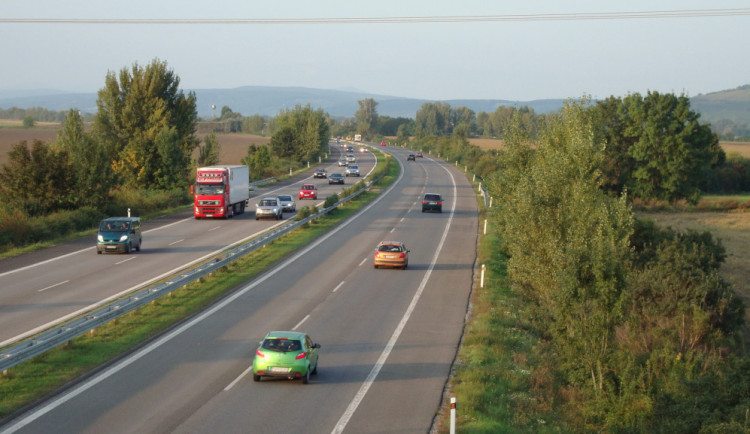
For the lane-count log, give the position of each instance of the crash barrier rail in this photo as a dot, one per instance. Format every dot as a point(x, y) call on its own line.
point(20, 352)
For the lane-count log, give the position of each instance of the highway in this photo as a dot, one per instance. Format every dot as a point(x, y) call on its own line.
point(388, 337)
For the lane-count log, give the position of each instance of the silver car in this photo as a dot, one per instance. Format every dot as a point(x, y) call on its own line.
point(269, 207)
point(352, 170)
point(287, 203)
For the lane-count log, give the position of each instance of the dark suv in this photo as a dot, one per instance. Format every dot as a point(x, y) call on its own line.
point(432, 202)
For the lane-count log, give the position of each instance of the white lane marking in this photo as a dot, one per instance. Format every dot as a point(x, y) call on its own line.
point(363, 262)
point(241, 376)
point(81, 251)
point(393, 230)
point(175, 242)
point(125, 260)
point(52, 286)
point(300, 323)
point(214, 228)
point(349, 412)
point(127, 361)
point(338, 286)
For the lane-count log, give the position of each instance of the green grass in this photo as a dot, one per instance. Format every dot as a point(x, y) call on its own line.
point(32, 380)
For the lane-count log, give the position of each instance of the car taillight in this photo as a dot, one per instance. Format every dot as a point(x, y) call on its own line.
point(301, 355)
point(258, 352)
point(440, 203)
point(424, 202)
point(403, 255)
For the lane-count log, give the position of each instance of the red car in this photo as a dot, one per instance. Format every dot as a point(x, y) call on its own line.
point(383, 144)
point(308, 191)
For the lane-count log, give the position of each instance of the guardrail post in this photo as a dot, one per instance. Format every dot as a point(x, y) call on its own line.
point(481, 279)
point(485, 227)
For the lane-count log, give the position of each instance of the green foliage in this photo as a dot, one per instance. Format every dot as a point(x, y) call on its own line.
point(366, 117)
point(254, 125)
point(300, 134)
point(37, 180)
point(38, 114)
point(17, 229)
point(496, 123)
point(303, 213)
point(208, 154)
point(147, 124)
point(656, 148)
point(261, 164)
point(331, 200)
point(28, 122)
point(89, 162)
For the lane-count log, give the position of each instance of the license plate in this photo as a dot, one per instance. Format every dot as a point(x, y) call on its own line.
point(279, 369)
point(389, 256)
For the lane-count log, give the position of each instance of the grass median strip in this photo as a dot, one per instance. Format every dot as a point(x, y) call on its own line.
point(34, 379)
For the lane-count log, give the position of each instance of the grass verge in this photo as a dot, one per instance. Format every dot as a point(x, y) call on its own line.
point(30, 381)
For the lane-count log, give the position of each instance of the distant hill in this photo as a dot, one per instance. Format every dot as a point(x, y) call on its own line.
point(731, 104)
point(269, 101)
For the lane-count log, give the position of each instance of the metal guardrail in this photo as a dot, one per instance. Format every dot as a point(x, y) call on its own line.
point(20, 352)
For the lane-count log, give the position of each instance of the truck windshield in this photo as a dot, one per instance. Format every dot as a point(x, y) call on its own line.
point(209, 189)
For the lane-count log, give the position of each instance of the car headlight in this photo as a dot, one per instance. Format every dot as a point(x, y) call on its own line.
point(124, 238)
point(100, 238)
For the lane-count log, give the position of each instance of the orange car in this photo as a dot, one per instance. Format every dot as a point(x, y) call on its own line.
point(391, 254)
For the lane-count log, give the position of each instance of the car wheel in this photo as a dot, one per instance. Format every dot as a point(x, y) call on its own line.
point(256, 377)
point(404, 267)
point(257, 218)
point(315, 371)
point(127, 248)
point(98, 252)
point(138, 247)
point(306, 378)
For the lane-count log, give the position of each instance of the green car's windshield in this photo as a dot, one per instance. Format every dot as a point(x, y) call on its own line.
point(282, 345)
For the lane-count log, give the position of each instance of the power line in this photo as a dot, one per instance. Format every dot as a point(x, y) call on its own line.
point(688, 13)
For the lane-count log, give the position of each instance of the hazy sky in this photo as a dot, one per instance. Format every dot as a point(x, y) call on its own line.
point(514, 59)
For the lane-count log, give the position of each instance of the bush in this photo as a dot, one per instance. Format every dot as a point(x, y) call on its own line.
point(331, 200)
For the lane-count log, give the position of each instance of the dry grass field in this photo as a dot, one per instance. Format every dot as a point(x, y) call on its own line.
point(733, 229)
point(233, 146)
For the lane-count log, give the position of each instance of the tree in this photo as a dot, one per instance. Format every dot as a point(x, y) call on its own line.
point(38, 179)
point(28, 122)
point(208, 154)
point(134, 108)
point(302, 133)
point(568, 241)
point(90, 163)
point(656, 146)
point(366, 116)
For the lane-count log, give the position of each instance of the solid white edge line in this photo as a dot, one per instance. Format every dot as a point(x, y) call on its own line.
point(349, 412)
point(106, 373)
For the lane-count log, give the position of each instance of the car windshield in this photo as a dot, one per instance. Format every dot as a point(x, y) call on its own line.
point(307, 187)
point(389, 248)
point(114, 226)
point(432, 197)
point(285, 198)
point(267, 202)
point(282, 345)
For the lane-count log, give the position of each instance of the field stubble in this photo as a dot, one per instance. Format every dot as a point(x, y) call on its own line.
point(233, 145)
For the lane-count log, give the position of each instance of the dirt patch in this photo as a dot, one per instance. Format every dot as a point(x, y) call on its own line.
point(487, 143)
point(733, 229)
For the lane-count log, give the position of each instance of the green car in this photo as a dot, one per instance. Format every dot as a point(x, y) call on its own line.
point(286, 354)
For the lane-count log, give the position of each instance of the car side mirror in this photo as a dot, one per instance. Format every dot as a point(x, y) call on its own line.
point(316, 345)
